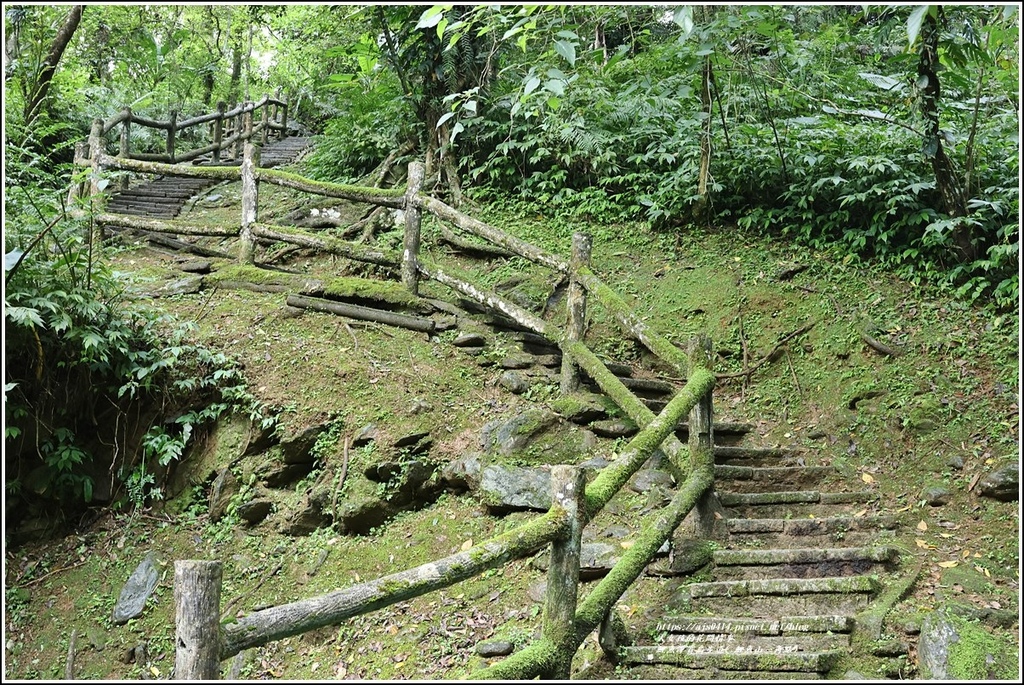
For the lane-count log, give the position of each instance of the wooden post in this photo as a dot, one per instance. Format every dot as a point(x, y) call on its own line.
point(410, 268)
point(567, 492)
point(77, 189)
point(576, 309)
point(218, 131)
point(247, 119)
point(234, 134)
point(125, 150)
point(250, 204)
point(96, 148)
point(701, 522)
point(197, 620)
point(265, 119)
point(172, 132)
point(284, 121)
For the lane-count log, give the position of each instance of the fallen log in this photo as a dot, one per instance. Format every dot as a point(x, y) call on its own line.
point(354, 311)
point(472, 249)
point(354, 251)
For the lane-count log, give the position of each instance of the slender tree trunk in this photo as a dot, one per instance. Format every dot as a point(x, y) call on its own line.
point(951, 191)
point(39, 91)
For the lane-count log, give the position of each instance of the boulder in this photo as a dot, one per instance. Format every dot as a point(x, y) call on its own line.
point(1003, 484)
point(513, 382)
point(507, 436)
point(509, 488)
point(137, 590)
point(936, 495)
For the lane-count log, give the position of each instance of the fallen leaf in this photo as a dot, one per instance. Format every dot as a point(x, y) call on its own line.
point(922, 526)
point(867, 478)
point(924, 545)
point(906, 508)
point(967, 553)
point(949, 564)
point(467, 544)
point(860, 513)
point(718, 517)
point(155, 671)
point(945, 535)
point(626, 544)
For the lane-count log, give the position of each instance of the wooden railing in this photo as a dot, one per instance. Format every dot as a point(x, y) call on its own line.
point(203, 642)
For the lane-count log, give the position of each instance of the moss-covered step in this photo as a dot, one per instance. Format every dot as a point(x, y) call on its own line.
point(808, 562)
point(791, 503)
point(764, 478)
point(766, 598)
point(757, 456)
point(801, 532)
point(668, 672)
point(807, 662)
point(785, 625)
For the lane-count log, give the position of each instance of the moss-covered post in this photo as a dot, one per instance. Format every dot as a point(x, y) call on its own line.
point(124, 151)
point(218, 131)
point(250, 202)
point(247, 112)
point(96, 186)
point(701, 521)
point(568, 486)
point(197, 620)
point(413, 215)
point(576, 310)
point(265, 122)
point(172, 132)
point(284, 120)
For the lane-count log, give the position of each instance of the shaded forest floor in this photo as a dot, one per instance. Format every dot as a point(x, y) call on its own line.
point(942, 412)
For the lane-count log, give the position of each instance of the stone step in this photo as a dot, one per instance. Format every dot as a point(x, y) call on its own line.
point(776, 532)
point(753, 662)
point(791, 503)
point(801, 642)
point(764, 478)
point(786, 625)
point(758, 456)
point(777, 596)
point(808, 562)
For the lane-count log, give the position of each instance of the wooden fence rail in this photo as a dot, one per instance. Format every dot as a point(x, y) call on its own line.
point(565, 624)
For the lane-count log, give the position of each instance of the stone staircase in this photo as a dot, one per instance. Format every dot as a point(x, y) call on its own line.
point(165, 196)
point(800, 559)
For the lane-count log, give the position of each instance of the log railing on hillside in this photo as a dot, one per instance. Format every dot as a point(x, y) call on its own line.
point(203, 642)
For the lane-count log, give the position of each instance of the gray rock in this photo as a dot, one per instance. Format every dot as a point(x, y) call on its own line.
point(297, 448)
point(181, 286)
point(414, 440)
point(937, 634)
point(614, 428)
point(505, 488)
point(463, 473)
point(198, 266)
point(419, 406)
point(137, 590)
point(596, 559)
point(365, 435)
point(936, 495)
point(648, 479)
point(304, 521)
point(256, 510)
point(956, 462)
point(469, 340)
point(517, 361)
point(580, 408)
point(513, 382)
point(494, 648)
point(506, 437)
point(225, 486)
point(890, 648)
point(213, 199)
point(537, 591)
point(551, 361)
point(1003, 484)
point(615, 532)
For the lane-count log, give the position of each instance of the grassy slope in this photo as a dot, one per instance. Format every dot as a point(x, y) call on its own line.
point(959, 369)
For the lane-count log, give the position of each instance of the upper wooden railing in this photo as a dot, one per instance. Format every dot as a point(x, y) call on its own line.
point(203, 641)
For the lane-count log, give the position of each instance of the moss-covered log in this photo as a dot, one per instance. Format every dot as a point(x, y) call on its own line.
point(220, 173)
point(655, 531)
point(494, 235)
point(282, 621)
point(540, 658)
point(469, 248)
point(355, 251)
point(354, 311)
point(631, 323)
point(394, 198)
point(171, 226)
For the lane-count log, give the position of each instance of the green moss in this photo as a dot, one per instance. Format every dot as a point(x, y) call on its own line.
point(981, 655)
point(252, 274)
point(365, 289)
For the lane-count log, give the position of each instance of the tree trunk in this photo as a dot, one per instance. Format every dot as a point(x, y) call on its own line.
point(49, 67)
point(948, 183)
